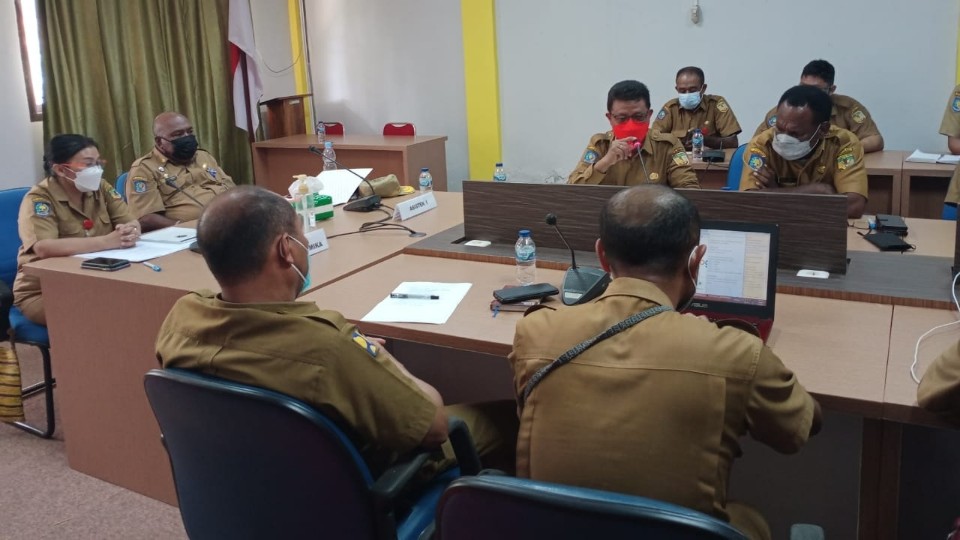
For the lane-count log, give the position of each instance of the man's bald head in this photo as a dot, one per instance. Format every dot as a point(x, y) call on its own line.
point(649, 227)
point(238, 228)
point(168, 121)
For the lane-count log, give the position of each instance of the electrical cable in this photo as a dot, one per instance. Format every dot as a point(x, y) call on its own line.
point(916, 350)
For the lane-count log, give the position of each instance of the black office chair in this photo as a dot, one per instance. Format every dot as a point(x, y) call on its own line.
point(253, 463)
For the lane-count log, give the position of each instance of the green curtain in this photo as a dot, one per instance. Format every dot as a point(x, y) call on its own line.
point(110, 66)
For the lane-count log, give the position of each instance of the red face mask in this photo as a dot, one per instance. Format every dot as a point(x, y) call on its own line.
point(632, 128)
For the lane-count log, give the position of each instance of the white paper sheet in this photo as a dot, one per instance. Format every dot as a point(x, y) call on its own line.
point(143, 251)
point(924, 157)
point(339, 184)
point(171, 235)
point(411, 310)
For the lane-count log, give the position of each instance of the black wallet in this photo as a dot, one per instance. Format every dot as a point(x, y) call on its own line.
point(889, 242)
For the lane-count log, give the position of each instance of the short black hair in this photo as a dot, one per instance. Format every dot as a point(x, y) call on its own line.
point(63, 147)
point(820, 69)
point(238, 227)
point(628, 91)
point(692, 70)
point(809, 96)
point(649, 226)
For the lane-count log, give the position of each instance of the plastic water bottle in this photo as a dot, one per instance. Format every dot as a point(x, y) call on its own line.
point(498, 174)
point(426, 180)
point(329, 157)
point(526, 258)
point(321, 132)
point(696, 142)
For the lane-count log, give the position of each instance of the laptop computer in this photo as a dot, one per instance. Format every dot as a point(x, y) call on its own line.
point(737, 283)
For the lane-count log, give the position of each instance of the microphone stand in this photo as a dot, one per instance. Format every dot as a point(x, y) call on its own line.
point(362, 204)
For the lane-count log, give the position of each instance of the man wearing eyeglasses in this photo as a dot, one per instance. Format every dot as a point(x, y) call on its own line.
point(173, 182)
point(631, 153)
point(804, 153)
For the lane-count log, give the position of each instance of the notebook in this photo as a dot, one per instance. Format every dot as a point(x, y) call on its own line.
point(737, 283)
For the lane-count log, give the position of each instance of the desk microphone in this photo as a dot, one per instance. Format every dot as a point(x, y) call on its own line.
point(361, 204)
point(580, 285)
point(172, 182)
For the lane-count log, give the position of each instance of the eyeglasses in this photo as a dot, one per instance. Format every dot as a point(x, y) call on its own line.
point(84, 165)
point(639, 117)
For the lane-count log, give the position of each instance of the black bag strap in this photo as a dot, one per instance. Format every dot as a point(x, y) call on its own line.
point(578, 349)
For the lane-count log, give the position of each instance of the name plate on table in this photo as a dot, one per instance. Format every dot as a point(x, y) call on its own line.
point(317, 241)
point(415, 206)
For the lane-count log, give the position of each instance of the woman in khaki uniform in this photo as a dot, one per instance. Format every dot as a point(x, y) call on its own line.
point(72, 210)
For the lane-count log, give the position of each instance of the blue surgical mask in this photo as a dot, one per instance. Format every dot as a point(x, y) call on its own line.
point(690, 101)
point(305, 277)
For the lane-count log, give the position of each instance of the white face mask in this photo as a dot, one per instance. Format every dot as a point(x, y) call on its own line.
point(88, 180)
point(685, 304)
point(689, 101)
point(791, 148)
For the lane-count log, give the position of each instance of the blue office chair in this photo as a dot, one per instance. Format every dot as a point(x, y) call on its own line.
point(253, 463)
point(735, 170)
point(949, 212)
point(121, 186)
point(23, 331)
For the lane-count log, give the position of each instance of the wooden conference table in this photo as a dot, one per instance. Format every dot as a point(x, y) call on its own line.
point(276, 161)
point(103, 327)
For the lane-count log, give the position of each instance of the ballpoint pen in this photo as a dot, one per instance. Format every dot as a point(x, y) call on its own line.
point(151, 266)
point(405, 296)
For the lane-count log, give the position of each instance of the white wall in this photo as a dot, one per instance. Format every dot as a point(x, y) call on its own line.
point(22, 150)
point(375, 61)
point(556, 64)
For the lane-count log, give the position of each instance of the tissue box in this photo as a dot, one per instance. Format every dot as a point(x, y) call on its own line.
point(322, 206)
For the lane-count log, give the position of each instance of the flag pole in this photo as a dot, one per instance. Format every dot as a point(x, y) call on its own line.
point(251, 136)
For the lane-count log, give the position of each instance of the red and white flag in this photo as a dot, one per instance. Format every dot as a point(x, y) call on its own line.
point(243, 49)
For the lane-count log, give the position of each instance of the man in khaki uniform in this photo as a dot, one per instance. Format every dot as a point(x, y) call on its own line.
point(175, 160)
point(939, 390)
point(657, 409)
point(847, 113)
point(694, 108)
point(612, 158)
point(804, 153)
point(950, 126)
point(255, 332)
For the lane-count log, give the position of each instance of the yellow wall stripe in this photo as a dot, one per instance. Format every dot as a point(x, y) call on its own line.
point(482, 86)
point(300, 64)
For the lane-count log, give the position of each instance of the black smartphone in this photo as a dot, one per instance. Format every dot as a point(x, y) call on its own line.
point(105, 264)
point(511, 295)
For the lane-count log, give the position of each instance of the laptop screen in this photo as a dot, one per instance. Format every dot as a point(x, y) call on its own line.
point(738, 273)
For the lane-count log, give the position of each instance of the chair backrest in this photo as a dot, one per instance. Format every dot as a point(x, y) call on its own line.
point(333, 128)
point(252, 463)
point(506, 508)
point(949, 212)
point(121, 186)
point(10, 200)
point(736, 169)
point(399, 128)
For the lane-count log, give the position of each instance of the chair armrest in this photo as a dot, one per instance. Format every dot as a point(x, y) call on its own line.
point(396, 478)
point(463, 447)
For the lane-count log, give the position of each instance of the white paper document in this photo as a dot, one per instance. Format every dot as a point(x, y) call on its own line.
point(171, 235)
point(924, 157)
point(143, 251)
point(419, 302)
point(339, 184)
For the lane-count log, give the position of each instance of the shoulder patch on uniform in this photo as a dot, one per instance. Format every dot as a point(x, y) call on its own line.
point(212, 172)
point(114, 195)
point(956, 104)
point(364, 343)
point(757, 159)
point(772, 121)
point(680, 158)
point(662, 114)
point(41, 208)
point(722, 106)
point(590, 156)
point(139, 185)
point(845, 159)
point(859, 116)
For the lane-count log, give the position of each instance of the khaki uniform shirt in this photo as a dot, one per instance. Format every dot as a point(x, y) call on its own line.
point(46, 213)
point(148, 193)
point(939, 390)
point(713, 116)
point(663, 159)
point(656, 410)
point(950, 126)
point(837, 159)
point(307, 353)
point(847, 114)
